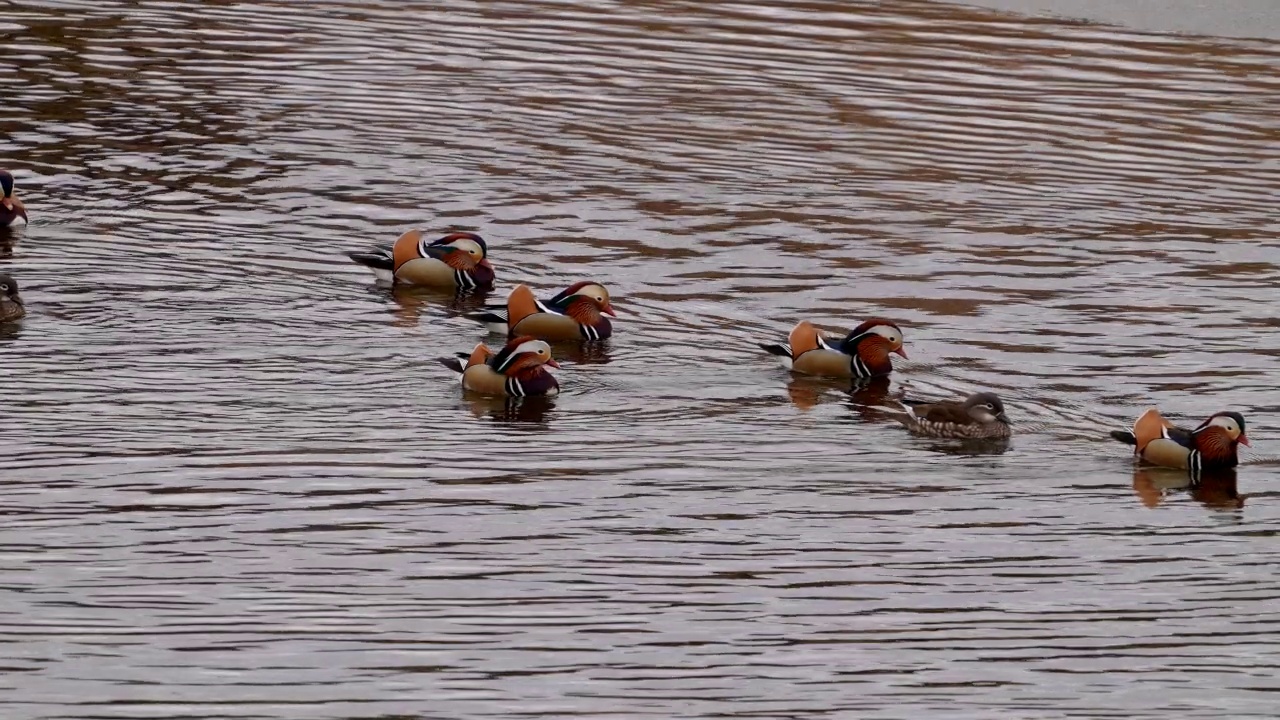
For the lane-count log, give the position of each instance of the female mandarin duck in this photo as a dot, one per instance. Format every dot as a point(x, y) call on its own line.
point(979, 416)
point(1211, 446)
point(458, 260)
point(11, 306)
point(11, 207)
point(863, 353)
point(577, 313)
point(519, 369)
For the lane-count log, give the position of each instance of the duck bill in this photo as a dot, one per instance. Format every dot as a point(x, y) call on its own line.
point(1003, 418)
point(1243, 440)
point(608, 310)
point(484, 262)
point(901, 351)
point(553, 363)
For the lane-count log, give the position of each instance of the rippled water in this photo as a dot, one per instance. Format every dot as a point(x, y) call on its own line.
point(237, 486)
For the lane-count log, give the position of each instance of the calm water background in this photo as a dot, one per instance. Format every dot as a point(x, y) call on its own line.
point(237, 486)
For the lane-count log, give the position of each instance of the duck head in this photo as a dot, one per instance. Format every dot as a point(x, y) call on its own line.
point(521, 355)
point(985, 407)
point(6, 195)
point(9, 289)
point(476, 250)
point(1229, 426)
point(590, 299)
point(872, 341)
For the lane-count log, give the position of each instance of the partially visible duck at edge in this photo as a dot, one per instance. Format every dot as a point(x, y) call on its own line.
point(577, 313)
point(519, 369)
point(863, 353)
point(1210, 446)
point(11, 305)
point(458, 260)
point(11, 208)
point(979, 416)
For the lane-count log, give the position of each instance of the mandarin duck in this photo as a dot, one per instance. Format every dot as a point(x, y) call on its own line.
point(979, 416)
point(11, 207)
point(1211, 446)
point(863, 353)
point(577, 313)
point(458, 260)
point(517, 370)
point(11, 305)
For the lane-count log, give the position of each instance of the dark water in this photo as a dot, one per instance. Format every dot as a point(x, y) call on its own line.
point(237, 486)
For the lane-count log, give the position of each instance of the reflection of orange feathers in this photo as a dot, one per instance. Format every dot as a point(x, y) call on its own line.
point(803, 338)
point(406, 247)
point(520, 304)
point(480, 355)
point(1149, 426)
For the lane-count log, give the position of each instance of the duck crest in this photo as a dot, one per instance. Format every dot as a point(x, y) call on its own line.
point(863, 332)
point(564, 295)
point(508, 358)
point(460, 235)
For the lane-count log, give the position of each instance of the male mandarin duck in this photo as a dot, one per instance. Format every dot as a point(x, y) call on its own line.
point(979, 416)
point(11, 207)
point(1211, 446)
point(519, 369)
point(458, 260)
point(863, 353)
point(577, 313)
point(11, 306)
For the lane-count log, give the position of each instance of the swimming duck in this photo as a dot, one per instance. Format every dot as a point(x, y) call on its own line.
point(1210, 446)
point(981, 415)
point(863, 353)
point(11, 305)
point(577, 313)
point(517, 370)
point(458, 260)
point(11, 207)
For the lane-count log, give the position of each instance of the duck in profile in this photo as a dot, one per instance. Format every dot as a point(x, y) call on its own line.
point(577, 313)
point(863, 353)
point(11, 305)
point(458, 261)
point(519, 369)
point(1211, 446)
point(979, 416)
point(11, 207)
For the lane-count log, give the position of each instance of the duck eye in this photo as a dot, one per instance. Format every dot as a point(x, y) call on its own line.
point(989, 406)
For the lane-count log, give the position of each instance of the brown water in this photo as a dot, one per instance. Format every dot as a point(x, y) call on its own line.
point(237, 486)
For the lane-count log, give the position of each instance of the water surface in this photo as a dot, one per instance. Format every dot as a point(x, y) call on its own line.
point(238, 486)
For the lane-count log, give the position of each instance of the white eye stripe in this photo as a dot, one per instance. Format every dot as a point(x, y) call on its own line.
point(533, 346)
point(885, 331)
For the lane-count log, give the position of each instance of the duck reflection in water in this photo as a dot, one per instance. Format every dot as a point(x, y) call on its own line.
point(411, 301)
point(511, 410)
point(585, 352)
point(1215, 489)
point(863, 395)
